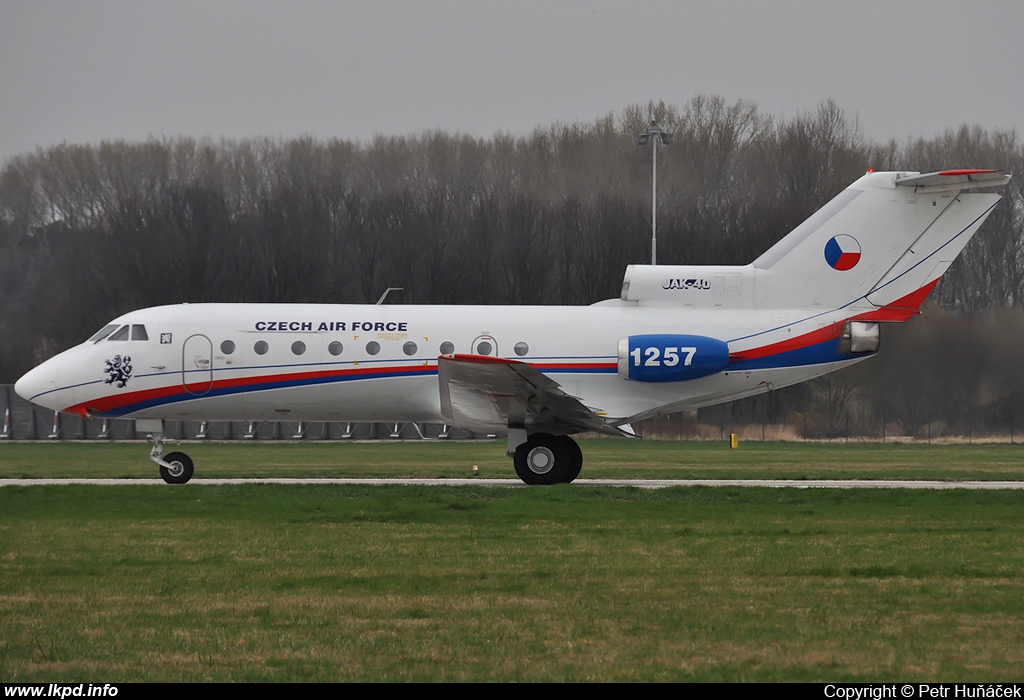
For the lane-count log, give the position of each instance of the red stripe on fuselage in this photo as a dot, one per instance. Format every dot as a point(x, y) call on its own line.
point(899, 310)
point(820, 335)
point(541, 366)
point(106, 404)
point(903, 309)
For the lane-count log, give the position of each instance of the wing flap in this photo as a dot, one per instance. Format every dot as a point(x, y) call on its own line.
point(493, 394)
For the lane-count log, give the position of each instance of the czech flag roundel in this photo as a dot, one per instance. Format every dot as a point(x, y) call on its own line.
point(842, 252)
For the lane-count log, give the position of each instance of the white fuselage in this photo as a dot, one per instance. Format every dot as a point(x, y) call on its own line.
point(204, 361)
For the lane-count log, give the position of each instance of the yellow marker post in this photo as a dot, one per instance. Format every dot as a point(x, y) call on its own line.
point(734, 440)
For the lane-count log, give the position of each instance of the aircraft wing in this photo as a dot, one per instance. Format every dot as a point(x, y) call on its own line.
point(479, 392)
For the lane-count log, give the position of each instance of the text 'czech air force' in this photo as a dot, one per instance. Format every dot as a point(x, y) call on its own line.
point(310, 326)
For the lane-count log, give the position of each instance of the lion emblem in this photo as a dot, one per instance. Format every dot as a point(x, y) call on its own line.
point(119, 370)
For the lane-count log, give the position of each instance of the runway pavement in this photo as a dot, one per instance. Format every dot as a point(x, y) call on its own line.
point(515, 483)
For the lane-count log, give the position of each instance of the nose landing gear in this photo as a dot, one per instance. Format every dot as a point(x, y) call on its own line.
point(176, 467)
point(178, 470)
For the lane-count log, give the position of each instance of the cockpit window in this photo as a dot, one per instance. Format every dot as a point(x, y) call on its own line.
point(103, 333)
point(139, 332)
point(121, 334)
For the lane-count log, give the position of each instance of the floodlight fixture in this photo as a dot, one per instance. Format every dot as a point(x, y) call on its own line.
point(656, 133)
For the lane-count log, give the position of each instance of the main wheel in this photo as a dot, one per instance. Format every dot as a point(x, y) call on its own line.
point(180, 470)
point(572, 455)
point(541, 460)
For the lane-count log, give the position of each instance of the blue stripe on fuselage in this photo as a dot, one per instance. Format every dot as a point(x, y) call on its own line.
point(816, 354)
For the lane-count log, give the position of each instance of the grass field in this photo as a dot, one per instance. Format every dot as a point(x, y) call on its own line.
point(338, 583)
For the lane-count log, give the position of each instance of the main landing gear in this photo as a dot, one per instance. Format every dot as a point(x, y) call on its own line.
point(176, 467)
point(548, 459)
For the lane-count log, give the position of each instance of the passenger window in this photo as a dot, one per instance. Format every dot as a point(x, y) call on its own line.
point(521, 348)
point(484, 348)
point(261, 347)
point(298, 347)
point(373, 347)
point(335, 348)
point(447, 347)
point(227, 347)
point(139, 333)
point(409, 348)
point(121, 334)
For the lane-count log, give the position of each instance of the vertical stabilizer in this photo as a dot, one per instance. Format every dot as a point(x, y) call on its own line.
point(881, 243)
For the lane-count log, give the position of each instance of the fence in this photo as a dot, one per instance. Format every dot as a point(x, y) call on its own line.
point(25, 421)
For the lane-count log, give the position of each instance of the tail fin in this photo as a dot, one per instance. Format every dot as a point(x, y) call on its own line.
point(881, 244)
point(876, 249)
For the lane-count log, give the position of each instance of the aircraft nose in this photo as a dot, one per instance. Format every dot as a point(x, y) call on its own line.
point(35, 384)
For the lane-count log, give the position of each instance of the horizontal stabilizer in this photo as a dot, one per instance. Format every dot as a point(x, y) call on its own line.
point(950, 180)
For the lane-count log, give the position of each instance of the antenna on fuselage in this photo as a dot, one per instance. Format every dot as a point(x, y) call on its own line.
point(386, 292)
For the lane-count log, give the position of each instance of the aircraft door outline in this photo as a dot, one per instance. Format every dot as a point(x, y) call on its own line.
point(197, 365)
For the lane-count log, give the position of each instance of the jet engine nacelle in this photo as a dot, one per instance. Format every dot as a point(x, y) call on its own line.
point(670, 358)
point(859, 337)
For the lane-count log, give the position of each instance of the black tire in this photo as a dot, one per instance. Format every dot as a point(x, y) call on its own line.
point(181, 468)
point(541, 460)
point(573, 457)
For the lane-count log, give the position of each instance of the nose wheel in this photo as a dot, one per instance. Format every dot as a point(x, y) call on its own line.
point(548, 459)
point(176, 467)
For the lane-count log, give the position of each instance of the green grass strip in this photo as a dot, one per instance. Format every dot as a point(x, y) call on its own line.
point(350, 583)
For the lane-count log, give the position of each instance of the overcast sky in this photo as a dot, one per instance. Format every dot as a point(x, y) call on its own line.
point(85, 70)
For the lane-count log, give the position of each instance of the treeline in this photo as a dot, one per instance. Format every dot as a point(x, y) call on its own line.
point(88, 232)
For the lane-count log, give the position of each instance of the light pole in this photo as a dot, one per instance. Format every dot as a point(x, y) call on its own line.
point(654, 134)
